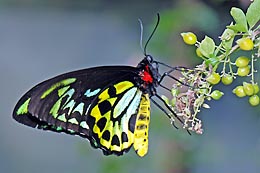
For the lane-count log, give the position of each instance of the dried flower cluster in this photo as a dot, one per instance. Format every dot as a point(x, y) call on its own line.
point(189, 94)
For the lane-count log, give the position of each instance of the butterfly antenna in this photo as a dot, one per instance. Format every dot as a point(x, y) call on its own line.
point(141, 34)
point(156, 26)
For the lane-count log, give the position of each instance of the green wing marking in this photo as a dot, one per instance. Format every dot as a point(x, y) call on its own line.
point(23, 109)
point(64, 82)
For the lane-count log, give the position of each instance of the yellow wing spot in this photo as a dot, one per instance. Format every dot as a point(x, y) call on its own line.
point(96, 129)
point(105, 143)
point(122, 86)
point(95, 112)
point(142, 126)
point(112, 101)
point(109, 128)
point(104, 95)
point(117, 132)
point(130, 138)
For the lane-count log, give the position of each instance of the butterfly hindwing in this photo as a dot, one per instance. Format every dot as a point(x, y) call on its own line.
point(113, 117)
point(101, 104)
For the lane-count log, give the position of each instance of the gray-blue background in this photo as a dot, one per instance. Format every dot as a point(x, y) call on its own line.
point(40, 40)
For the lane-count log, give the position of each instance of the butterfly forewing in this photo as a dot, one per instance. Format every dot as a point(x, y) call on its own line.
point(100, 104)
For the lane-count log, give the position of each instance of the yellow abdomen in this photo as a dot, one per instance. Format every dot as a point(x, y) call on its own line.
point(142, 126)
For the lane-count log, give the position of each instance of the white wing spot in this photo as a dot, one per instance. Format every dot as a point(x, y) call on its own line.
point(84, 125)
point(73, 121)
point(79, 108)
point(124, 102)
point(89, 93)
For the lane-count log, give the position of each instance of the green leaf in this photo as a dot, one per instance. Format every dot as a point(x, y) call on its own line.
point(213, 60)
point(236, 28)
point(253, 13)
point(240, 19)
point(207, 47)
point(227, 38)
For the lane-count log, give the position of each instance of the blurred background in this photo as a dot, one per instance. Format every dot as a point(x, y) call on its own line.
point(41, 39)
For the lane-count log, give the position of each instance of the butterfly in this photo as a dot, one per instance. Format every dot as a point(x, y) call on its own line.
point(108, 105)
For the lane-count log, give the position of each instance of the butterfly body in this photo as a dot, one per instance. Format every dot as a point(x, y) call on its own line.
point(108, 105)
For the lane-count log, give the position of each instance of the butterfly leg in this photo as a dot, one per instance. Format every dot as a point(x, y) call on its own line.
point(168, 114)
point(172, 77)
point(168, 107)
point(164, 87)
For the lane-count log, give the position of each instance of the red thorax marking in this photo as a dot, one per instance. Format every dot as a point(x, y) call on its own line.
point(146, 75)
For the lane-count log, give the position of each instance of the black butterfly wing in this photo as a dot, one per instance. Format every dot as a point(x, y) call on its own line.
point(100, 104)
point(42, 96)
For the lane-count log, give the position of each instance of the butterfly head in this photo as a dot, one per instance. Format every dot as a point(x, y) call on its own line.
point(149, 73)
